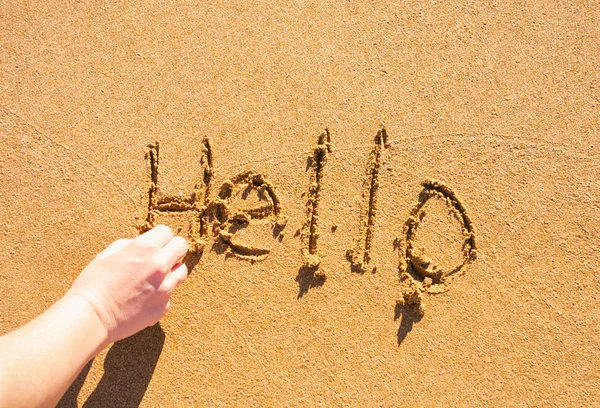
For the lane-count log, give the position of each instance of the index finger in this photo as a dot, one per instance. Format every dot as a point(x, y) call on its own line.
point(174, 251)
point(158, 236)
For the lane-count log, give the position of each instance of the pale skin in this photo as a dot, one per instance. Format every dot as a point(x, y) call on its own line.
point(125, 289)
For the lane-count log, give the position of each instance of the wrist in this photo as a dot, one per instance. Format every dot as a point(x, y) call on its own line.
point(88, 319)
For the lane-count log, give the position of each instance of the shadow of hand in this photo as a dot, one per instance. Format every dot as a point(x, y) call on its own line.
point(128, 369)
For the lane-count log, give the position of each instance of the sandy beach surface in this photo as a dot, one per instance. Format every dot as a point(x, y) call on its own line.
point(390, 204)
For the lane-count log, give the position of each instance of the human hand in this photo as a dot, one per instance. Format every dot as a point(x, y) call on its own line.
point(129, 283)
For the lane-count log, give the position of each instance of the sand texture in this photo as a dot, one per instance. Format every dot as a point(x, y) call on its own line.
point(388, 204)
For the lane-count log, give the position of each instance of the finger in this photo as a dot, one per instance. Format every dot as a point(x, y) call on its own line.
point(177, 275)
point(113, 248)
point(158, 236)
point(174, 251)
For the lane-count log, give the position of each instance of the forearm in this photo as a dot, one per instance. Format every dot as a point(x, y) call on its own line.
point(39, 361)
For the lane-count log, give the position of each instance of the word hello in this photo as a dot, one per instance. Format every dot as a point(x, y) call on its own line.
point(227, 217)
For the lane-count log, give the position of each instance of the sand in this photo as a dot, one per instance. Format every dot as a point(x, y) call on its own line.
point(390, 204)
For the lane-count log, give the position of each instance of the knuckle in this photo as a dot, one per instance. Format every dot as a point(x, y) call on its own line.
point(164, 293)
point(145, 246)
point(161, 265)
